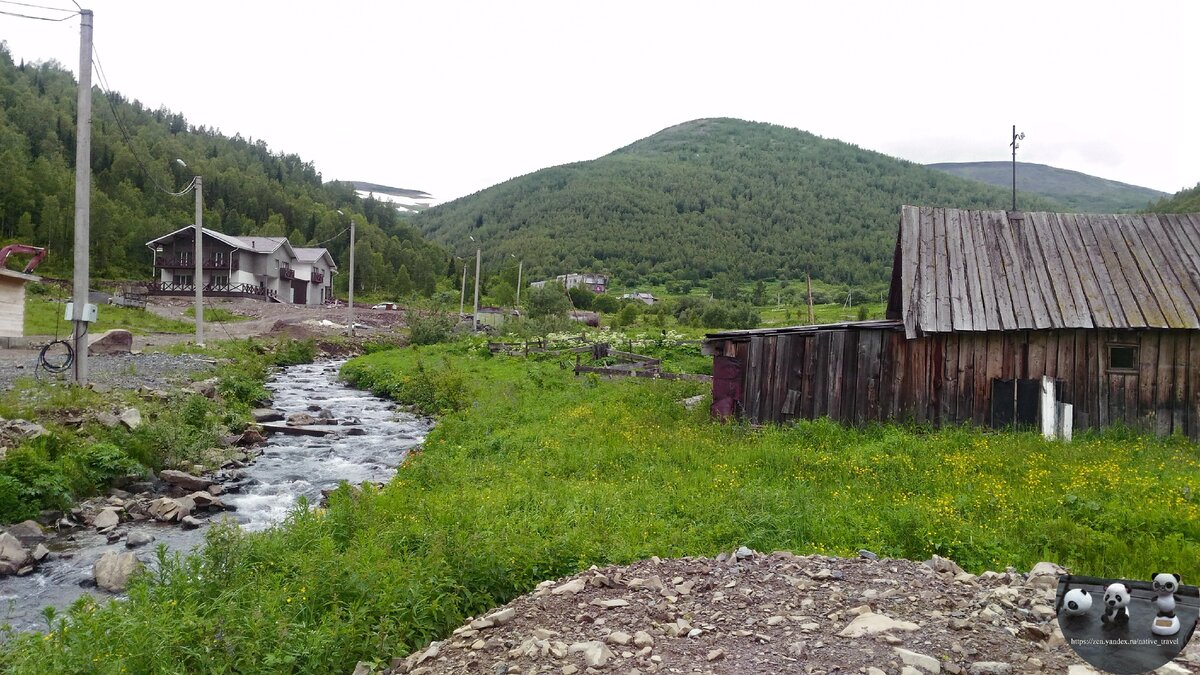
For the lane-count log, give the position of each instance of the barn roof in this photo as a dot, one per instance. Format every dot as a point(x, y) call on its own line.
point(960, 270)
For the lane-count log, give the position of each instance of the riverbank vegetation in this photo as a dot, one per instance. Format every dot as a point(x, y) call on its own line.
point(533, 473)
point(85, 447)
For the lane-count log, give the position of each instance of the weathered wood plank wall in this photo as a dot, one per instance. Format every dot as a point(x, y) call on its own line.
point(862, 375)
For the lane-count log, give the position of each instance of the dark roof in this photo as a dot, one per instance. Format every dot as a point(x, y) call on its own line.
point(959, 270)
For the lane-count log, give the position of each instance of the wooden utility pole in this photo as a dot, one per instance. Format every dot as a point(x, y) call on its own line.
point(83, 196)
point(811, 317)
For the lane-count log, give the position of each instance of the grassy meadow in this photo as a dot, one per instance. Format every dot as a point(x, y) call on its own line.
point(44, 316)
point(532, 474)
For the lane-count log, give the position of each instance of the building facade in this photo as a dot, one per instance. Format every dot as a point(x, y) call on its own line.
point(256, 267)
point(982, 306)
point(596, 283)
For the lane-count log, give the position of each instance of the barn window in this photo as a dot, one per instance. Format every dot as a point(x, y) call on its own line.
point(1122, 358)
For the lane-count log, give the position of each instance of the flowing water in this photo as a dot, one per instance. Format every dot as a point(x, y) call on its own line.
point(289, 467)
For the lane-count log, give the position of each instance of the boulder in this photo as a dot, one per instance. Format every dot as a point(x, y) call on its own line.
point(250, 437)
point(206, 500)
point(41, 552)
point(107, 419)
point(107, 519)
point(131, 418)
point(138, 538)
point(116, 341)
point(112, 570)
point(184, 480)
point(873, 624)
point(944, 565)
point(266, 415)
point(206, 388)
point(28, 532)
point(191, 522)
point(164, 509)
point(300, 420)
point(12, 553)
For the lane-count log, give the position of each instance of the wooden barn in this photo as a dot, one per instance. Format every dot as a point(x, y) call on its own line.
point(982, 305)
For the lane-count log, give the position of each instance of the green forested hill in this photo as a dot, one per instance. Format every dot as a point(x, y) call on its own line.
point(1184, 201)
point(247, 188)
point(1075, 190)
point(706, 197)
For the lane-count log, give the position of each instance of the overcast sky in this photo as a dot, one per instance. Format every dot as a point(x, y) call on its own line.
point(452, 97)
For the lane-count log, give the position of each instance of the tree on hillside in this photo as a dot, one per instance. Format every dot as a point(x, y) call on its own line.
point(547, 301)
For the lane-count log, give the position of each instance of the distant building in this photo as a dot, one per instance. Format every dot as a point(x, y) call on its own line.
point(596, 283)
point(647, 298)
point(255, 267)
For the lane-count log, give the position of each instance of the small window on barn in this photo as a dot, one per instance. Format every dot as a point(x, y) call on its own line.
point(1122, 358)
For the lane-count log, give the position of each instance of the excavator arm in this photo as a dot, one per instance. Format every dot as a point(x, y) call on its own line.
point(39, 254)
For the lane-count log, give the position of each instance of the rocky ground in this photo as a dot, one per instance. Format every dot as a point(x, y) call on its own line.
point(749, 613)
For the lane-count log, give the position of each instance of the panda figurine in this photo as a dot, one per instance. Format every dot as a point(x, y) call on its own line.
point(1165, 622)
point(1116, 603)
point(1076, 602)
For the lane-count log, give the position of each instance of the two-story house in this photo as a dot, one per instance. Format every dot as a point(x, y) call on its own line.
point(232, 266)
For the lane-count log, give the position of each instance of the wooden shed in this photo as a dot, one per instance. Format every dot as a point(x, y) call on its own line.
point(982, 305)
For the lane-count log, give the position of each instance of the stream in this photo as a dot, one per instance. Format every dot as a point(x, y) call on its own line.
point(289, 467)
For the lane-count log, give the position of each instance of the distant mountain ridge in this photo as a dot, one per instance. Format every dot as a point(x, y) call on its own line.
point(1075, 190)
point(710, 197)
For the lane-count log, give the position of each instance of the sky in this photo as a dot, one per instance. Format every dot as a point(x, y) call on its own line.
point(453, 97)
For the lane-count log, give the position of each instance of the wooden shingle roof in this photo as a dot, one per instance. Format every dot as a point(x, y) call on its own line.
point(960, 270)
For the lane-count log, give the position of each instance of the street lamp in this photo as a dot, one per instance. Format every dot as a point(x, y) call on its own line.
point(350, 303)
point(198, 274)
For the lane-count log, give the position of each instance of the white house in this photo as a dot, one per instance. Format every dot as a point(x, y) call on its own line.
point(256, 267)
point(596, 283)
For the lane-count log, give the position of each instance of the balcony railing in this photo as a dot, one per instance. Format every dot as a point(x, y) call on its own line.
point(166, 263)
point(287, 273)
point(318, 277)
point(215, 290)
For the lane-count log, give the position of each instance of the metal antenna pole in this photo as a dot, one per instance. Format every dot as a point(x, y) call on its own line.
point(83, 195)
point(520, 268)
point(198, 282)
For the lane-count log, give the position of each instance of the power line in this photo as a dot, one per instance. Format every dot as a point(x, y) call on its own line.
point(39, 18)
point(26, 4)
point(108, 96)
point(332, 238)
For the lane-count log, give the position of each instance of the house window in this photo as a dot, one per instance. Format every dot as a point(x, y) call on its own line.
point(183, 280)
point(1123, 358)
point(219, 257)
point(220, 280)
point(185, 258)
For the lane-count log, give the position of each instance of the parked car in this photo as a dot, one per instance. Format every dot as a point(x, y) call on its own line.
point(387, 305)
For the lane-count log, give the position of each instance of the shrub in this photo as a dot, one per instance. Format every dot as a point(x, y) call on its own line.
point(294, 352)
point(547, 301)
point(430, 330)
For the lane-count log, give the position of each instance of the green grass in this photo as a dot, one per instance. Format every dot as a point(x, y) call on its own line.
point(45, 317)
point(532, 474)
point(216, 314)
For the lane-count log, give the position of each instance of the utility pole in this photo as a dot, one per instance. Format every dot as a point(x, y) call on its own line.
point(83, 195)
point(198, 282)
point(811, 318)
point(475, 316)
point(350, 304)
point(1015, 137)
point(520, 268)
point(462, 297)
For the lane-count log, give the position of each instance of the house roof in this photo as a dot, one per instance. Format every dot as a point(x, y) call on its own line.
point(961, 270)
point(311, 255)
point(252, 244)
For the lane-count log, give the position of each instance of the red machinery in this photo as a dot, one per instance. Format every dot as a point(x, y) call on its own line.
point(39, 254)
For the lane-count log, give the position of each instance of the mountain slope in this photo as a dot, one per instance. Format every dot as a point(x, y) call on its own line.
point(247, 188)
point(1184, 201)
point(1078, 191)
point(705, 197)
